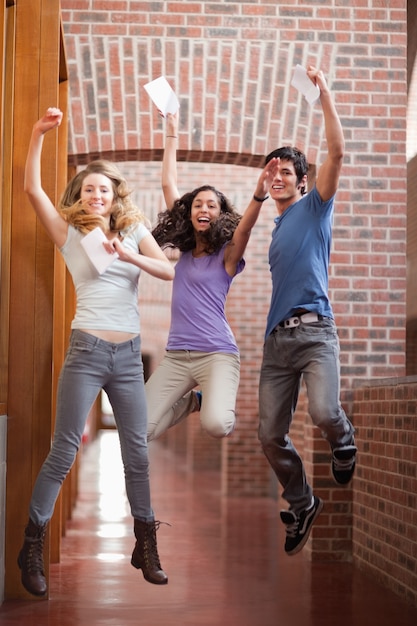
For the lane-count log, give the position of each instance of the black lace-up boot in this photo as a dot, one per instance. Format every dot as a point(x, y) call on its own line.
point(145, 555)
point(30, 560)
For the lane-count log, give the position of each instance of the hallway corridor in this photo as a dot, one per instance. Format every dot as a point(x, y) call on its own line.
point(224, 558)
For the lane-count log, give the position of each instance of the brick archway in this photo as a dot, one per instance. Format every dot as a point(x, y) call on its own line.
point(235, 96)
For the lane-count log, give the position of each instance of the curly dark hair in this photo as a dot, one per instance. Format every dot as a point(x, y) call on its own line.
point(174, 228)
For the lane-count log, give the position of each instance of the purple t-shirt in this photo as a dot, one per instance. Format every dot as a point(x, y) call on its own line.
point(198, 319)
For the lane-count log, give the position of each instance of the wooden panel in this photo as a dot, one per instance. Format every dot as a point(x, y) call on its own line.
point(19, 457)
point(60, 334)
point(3, 325)
point(35, 273)
point(7, 44)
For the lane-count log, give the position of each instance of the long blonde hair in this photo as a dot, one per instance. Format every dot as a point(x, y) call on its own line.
point(124, 213)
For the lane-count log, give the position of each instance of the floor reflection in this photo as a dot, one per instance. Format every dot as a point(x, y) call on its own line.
point(224, 558)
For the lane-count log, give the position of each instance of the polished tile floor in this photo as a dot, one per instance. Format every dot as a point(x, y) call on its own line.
point(224, 558)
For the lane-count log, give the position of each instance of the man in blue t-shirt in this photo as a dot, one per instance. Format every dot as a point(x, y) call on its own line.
point(301, 338)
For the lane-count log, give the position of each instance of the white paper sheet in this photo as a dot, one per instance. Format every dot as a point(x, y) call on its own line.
point(162, 95)
point(98, 255)
point(301, 81)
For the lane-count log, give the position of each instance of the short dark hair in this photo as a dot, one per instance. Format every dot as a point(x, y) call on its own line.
point(297, 158)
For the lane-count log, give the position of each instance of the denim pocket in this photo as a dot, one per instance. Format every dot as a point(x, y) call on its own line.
point(136, 345)
point(78, 345)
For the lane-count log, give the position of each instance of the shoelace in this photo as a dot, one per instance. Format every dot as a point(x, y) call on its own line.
point(150, 550)
point(292, 529)
point(157, 524)
point(343, 464)
point(34, 559)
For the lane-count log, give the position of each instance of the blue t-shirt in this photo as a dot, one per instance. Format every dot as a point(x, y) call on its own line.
point(299, 259)
point(198, 319)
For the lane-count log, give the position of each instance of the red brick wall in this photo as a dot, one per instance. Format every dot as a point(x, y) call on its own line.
point(385, 488)
point(231, 65)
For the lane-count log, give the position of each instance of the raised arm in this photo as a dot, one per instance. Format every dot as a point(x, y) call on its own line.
point(54, 224)
point(169, 162)
point(329, 172)
point(236, 248)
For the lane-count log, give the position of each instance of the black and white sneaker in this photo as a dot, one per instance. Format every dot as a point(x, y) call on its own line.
point(343, 463)
point(299, 526)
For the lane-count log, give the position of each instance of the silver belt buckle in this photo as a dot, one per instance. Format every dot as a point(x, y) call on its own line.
point(306, 318)
point(291, 322)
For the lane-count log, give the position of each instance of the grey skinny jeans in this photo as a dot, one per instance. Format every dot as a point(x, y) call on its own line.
point(92, 364)
point(310, 351)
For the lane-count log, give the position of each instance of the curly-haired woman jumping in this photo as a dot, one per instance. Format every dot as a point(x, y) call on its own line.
point(201, 350)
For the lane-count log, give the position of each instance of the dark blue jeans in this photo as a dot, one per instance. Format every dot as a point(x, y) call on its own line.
point(92, 364)
point(311, 352)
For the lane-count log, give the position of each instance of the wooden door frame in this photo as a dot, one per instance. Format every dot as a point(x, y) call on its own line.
point(36, 316)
